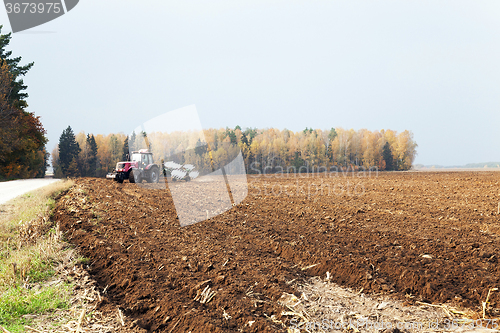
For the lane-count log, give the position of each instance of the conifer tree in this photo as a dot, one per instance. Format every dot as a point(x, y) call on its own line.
point(387, 156)
point(125, 149)
point(68, 151)
point(17, 95)
point(92, 159)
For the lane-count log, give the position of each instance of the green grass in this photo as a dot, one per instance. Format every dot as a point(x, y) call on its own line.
point(18, 301)
point(83, 260)
point(27, 262)
point(40, 271)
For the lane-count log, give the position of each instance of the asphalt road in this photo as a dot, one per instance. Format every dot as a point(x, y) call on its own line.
point(10, 190)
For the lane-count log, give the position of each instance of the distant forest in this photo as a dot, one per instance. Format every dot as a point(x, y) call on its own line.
point(485, 165)
point(263, 150)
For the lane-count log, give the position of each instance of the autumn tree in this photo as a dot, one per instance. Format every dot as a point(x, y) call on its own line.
point(264, 150)
point(22, 136)
point(405, 150)
point(116, 149)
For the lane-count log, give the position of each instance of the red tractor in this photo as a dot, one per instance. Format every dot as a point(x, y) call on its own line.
point(139, 167)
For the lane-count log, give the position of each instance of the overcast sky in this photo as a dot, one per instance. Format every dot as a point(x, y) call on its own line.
point(432, 67)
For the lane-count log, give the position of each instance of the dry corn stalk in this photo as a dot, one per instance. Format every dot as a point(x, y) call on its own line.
point(205, 296)
point(485, 303)
point(80, 321)
point(120, 315)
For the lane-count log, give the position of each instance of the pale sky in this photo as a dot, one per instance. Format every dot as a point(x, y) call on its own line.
point(432, 67)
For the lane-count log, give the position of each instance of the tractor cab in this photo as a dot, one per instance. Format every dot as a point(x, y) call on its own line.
point(143, 158)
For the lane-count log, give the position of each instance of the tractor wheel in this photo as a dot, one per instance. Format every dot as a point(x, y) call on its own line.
point(153, 175)
point(135, 176)
point(119, 179)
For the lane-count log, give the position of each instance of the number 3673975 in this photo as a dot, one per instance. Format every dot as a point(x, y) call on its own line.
point(32, 8)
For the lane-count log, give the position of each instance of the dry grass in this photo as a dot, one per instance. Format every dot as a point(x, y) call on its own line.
point(30, 249)
point(326, 307)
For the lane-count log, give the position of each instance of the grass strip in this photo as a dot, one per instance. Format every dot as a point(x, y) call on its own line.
point(31, 247)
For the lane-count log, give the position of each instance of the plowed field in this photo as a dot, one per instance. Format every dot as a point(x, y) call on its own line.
point(431, 237)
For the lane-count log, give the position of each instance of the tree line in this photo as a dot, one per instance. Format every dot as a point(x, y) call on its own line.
point(22, 136)
point(86, 155)
point(334, 149)
point(272, 150)
point(263, 150)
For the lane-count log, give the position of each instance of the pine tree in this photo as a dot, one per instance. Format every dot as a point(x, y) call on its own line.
point(297, 162)
point(92, 159)
point(200, 148)
point(125, 150)
point(250, 134)
point(131, 142)
point(332, 135)
point(16, 96)
point(232, 137)
point(244, 139)
point(68, 150)
point(387, 156)
point(145, 141)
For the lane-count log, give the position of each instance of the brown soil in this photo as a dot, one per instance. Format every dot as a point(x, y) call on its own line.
point(432, 237)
